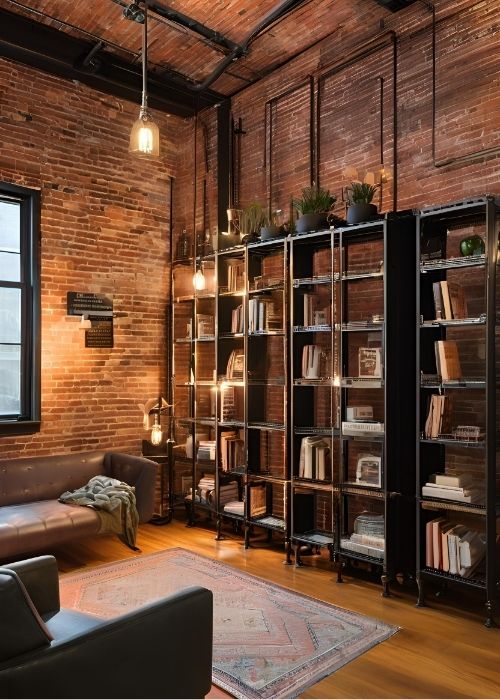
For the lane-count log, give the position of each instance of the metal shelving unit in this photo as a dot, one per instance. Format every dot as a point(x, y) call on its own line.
point(474, 396)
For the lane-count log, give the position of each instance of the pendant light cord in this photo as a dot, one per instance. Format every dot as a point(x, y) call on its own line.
point(145, 57)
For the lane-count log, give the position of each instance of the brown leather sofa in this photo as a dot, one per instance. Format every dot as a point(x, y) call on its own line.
point(31, 517)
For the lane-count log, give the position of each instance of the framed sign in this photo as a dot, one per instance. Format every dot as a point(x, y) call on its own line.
point(89, 304)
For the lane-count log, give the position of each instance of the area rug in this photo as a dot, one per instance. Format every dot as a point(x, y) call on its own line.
point(269, 642)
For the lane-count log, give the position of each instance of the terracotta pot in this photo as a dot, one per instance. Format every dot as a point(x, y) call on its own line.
point(311, 222)
point(358, 213)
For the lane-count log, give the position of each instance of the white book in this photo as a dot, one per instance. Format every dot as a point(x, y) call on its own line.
point(460, 480)
point(471, 496)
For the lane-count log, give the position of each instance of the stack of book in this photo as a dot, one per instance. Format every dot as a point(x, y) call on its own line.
point(447, 360)
point(311, 361)
point(228, 408)
point(204, 491)
point(206, 450)
point(368, 536)
point(453, 548)
point(232, 450)
point(314, 457)
point(453, 487)
point(363, 428)
point(237, 318)
point(263, 316)
point(449, 300)
point(438, 419)
point(235, 507)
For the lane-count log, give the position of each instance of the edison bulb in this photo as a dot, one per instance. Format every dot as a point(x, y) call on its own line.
point(199, 281)
point(156, 435)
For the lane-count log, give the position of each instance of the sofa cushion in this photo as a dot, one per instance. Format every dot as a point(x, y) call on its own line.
point(38, 526)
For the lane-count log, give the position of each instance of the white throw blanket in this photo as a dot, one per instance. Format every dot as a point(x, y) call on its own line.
point(115, 502)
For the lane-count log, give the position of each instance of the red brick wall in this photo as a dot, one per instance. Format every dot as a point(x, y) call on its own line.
point(104, 225)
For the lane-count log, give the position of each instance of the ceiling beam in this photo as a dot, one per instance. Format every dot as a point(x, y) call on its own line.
point(56, 52)
point(394, 5)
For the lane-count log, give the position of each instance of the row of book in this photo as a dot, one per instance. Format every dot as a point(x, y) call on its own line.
point(235, 364)
point(205, 494)
point(263, 315)
point(236, 275)
point(205, 326)
point(449, 300)
point(438, 419)
point(453, 487)
point(453, 548)
point(314, 461)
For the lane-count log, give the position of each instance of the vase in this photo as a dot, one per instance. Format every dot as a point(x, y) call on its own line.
point(358, 213)
point(271, 231)
point(311, 222)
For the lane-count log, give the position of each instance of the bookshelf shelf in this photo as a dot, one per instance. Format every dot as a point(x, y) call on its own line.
point(312, 329)
point(264, 333)
point(457, 349)
point(318, 538)
point(314, 280)
point(354, 276)
point(269, 288)
point(361, 383)
point(480, 321)
point(362, 326)
point(313, 484)
point(316, 430)
point(362, 490)
point(268, 425)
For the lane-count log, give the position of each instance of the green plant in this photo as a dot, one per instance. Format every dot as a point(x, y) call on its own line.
point(360, 193)
point(314, 200)
point(252, 218)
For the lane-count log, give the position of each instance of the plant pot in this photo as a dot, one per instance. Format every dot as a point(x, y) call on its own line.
point(311, 222)
point(358, 213)
point(267, 232)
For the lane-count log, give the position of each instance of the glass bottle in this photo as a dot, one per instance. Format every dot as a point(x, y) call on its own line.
point(183, 250)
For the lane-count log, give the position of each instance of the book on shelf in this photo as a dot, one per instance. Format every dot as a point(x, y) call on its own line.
point(263, 315)
point(228, 406)
point(472, 495)
point(314, 457)
point(370, 362)
point(453, 547)
point(447, 359)
point(438, 419)
point(235, 275)
point(314, 313)
point(237, 319)
point(460, 479)
point(232, 449)
point(235, 507)
point(205, 325)
point(449, 300)
point(257, 500)
point(358, 427)
point(206, 450)
point(235, 364)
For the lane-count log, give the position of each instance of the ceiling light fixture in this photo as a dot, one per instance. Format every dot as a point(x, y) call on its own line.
point(134, 12)
point(145, 135)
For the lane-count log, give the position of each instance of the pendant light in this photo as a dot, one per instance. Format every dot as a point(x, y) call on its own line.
point(145, 135)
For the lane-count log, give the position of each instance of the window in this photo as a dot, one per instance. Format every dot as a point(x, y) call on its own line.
point(19, 310)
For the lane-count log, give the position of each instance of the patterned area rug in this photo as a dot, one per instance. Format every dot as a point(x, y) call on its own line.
point(269, 642)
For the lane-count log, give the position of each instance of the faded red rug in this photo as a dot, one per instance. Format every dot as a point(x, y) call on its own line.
point(269, 642)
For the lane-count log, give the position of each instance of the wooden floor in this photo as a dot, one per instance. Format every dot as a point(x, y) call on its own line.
point(440, 651)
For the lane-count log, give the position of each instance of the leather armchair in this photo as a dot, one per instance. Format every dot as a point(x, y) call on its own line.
point(162, 650)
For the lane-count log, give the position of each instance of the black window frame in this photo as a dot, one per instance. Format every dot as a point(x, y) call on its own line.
point(28, 421)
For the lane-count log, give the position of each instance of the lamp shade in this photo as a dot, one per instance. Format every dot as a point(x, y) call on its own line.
point(145, 136)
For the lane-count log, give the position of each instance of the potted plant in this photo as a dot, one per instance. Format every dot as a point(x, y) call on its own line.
point(271, 228)
point(313, 208)
point(359, 202)
point(252, 218)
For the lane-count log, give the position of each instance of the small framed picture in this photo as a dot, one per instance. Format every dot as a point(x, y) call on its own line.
point(370, 362)
point(369, 470)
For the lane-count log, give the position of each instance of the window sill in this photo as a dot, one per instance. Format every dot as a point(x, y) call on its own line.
point(19, 427)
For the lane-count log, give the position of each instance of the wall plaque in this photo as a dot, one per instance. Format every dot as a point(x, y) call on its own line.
point(101, 333)
point(89, 304)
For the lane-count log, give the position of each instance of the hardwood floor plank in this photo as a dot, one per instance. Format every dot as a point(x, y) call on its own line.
point(439, 652)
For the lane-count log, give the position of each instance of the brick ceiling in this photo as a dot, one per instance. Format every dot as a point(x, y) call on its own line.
point(177, 50)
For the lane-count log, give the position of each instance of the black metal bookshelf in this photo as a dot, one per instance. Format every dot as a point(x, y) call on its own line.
point(471, 398)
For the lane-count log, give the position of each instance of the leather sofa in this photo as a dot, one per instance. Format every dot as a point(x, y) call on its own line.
point(31, 517)
point(161, 650)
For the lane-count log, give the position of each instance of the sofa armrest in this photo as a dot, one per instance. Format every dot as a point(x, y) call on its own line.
point(40, 577)
point(163, 650)
point(138, 472)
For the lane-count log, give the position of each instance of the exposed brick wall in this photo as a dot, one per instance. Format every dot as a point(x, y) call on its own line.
point(104, 226)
